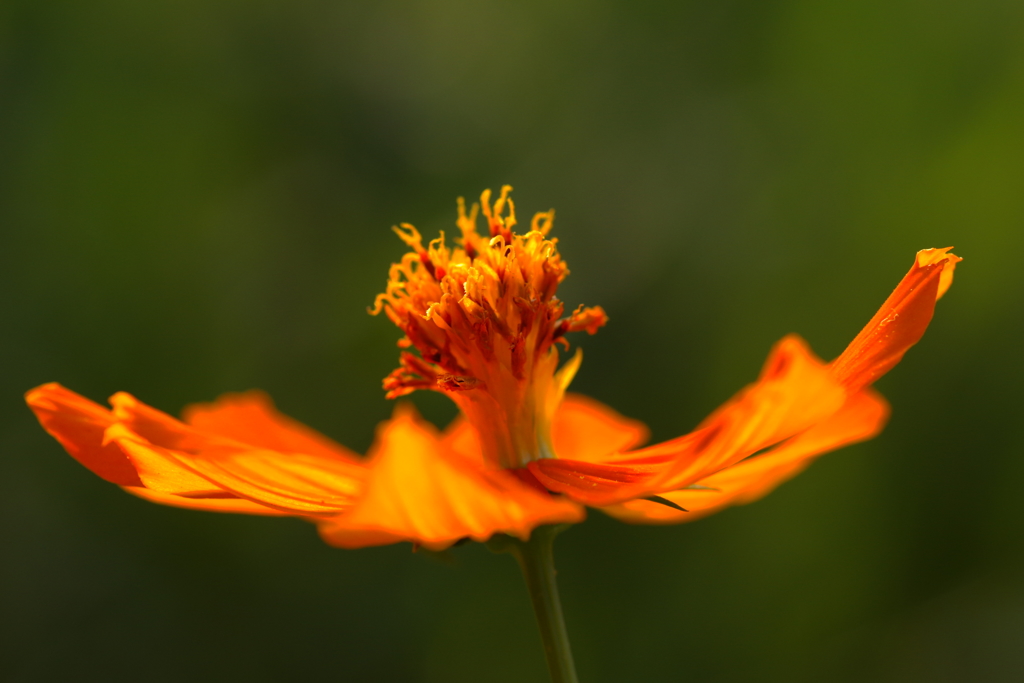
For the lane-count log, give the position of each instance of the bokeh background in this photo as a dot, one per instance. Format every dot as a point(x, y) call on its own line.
point(195, 197)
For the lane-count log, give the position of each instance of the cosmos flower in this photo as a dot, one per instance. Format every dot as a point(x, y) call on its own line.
point(482, 325)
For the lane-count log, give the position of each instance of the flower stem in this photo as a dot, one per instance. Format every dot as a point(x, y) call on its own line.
point(536, 560)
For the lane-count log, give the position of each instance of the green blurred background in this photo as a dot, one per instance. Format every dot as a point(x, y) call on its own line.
point(195, 198)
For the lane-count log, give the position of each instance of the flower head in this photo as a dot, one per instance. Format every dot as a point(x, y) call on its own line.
point(485, 320)
point(482, 324)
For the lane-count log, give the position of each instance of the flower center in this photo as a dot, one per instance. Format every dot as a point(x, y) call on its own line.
point(485, 320)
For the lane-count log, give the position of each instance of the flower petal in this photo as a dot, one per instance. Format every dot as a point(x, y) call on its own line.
point(460, 438)
point(861, 418)
point(157, 468)
point(586, 429)
point(78, 424)
point(795, 391)
point(167, 461)
point(251, 418)
point(292, 482)
point(418, 491)
point(171, 457)
point(225, 503)
point(899, 323)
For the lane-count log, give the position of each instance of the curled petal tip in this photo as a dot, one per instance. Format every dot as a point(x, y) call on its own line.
point(899, 323)
point(932, 257)
point(80, 425)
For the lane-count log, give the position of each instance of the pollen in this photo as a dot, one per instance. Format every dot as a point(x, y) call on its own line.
point(482, 325)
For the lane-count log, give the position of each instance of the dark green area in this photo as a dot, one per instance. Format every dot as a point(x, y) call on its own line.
point(195, 198)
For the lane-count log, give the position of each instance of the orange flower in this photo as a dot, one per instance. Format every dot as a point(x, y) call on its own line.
point(482, 325)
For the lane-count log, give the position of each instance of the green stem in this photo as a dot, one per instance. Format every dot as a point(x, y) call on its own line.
point(536, 560)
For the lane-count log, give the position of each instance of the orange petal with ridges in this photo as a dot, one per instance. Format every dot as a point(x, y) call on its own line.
point(157, 468)
point(225, 503)
point(899, 323)
point(291, 482)
point(139, 447)
point(251, 418)
point(157, 427)
point(419, 492)
point(167, 452)
point(794, 392)
point(79, 424)
point(861, 418)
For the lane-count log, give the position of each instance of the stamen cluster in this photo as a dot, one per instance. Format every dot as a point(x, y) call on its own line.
point(485, 320)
